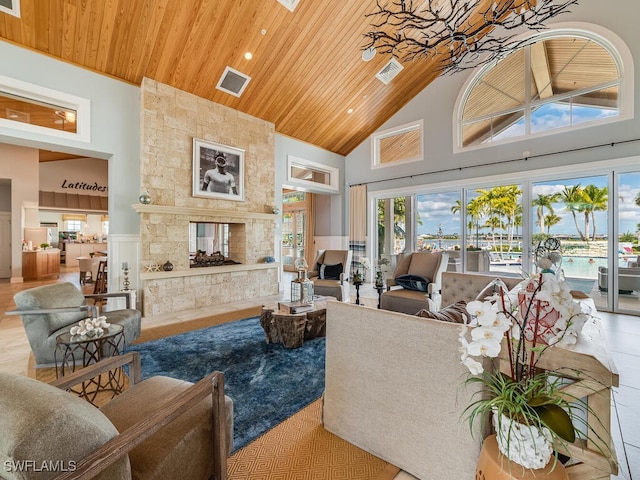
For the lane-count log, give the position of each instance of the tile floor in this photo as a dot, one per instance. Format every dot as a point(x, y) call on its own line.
point(623, 333)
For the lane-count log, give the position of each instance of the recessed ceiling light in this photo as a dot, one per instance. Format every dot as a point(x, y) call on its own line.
point(368, 53)
point(248, 55)
point(350, 111)
point(263, 31)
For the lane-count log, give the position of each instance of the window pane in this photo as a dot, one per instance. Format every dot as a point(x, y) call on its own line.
point(578, 64)
point(574, 211)
point(628, 246)
point(438, 226)
point(494, 222)
point(571, 80)
point(392, 229)
point(401, 147)
point(18, 109)
point(501, 88)
point(550, 116)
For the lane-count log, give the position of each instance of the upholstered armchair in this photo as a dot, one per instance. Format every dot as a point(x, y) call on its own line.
point(160, 428)
point(330, 274)
point(50, 310)
point(415, 283)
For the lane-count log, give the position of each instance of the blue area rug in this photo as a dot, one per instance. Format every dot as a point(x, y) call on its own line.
point(268, 383)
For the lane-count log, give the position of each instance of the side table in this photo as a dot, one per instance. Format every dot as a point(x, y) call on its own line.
point(76, 351)
point(357, 285)
point(380, 289)
point(493, 465)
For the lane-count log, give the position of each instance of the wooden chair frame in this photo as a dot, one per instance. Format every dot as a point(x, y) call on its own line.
point(122, 444)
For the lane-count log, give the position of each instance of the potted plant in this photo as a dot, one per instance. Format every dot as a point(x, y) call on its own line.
point(531, 415)
point(358, 276)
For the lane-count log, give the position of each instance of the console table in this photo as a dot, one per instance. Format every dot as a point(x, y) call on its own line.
point(590, 366)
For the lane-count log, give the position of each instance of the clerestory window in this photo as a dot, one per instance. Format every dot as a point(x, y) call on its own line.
point(559, 80)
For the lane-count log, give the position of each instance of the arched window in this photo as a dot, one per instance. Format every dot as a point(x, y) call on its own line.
point(561, 79)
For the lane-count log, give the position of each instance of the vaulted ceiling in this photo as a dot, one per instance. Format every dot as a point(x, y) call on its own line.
point(306, 73)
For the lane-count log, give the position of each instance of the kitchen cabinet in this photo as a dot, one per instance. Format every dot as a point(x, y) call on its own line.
point(75, 250)
point(40, 264)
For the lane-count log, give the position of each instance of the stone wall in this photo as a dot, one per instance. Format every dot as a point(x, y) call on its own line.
point(171, 119)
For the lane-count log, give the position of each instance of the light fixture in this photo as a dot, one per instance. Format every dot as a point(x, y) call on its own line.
point(368, 53)
point(458, 34)
point(248, 56)
point(67, 116)
point(350, 111)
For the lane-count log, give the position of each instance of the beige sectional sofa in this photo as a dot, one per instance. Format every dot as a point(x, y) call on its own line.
point(394, 385)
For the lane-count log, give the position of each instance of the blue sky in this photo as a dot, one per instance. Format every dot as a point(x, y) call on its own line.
point(435, 208)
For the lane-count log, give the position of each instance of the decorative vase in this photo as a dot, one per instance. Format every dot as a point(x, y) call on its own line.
point(168, 266)
point(525, 445)
point(531, 308)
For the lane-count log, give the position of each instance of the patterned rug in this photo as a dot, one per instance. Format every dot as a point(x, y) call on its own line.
point(300, 448)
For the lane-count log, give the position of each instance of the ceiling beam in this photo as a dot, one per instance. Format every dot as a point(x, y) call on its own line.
point(540, 70)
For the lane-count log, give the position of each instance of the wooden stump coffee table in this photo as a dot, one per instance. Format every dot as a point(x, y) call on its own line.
point(292, 329)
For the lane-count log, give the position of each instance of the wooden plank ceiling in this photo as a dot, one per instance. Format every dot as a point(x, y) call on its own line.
point(306, 71)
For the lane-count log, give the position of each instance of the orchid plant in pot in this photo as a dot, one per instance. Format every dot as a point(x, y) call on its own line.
point(530, 413)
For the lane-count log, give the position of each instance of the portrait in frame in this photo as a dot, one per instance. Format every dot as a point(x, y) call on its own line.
point(218, 171)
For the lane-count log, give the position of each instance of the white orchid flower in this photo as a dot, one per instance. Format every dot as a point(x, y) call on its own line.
point(484, 312)
point(474, 367)
point(484, 347)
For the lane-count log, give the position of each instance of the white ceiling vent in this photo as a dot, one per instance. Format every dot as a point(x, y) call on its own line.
point(290, 4)
point(389, 71)
point(233, 82)
point(12, 7)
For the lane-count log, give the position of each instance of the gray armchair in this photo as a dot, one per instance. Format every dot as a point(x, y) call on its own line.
point(160, 428)
point(421, 277)
point(50, 310)
point(326, 279)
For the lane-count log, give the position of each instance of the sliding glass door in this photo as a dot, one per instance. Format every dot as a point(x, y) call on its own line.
point(626, 288)
point(575, 211)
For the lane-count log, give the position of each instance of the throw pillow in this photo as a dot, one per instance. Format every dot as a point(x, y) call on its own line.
point(455, 313)
point(413, 282)
point(329, 272)
point(493, 288)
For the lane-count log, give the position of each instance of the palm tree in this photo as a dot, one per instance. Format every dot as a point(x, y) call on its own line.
point(637, 199)
point(572, 198)
point(595, 199)
point(551, 219)
point(542, 202)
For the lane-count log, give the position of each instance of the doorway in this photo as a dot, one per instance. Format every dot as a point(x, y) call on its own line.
point(297, 228)
point(5, 245)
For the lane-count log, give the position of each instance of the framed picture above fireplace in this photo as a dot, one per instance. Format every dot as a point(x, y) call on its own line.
point(218, 171)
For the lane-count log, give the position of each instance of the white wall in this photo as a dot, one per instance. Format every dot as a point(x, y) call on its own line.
point(60, 175)
point(330, 208)
point(115, 124)
point(21, 166)
point(435, 104)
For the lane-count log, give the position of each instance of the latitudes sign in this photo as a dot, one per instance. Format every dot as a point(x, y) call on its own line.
point(94, 187)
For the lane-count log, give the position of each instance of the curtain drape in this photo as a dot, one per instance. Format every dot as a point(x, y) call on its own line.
point(357, 223)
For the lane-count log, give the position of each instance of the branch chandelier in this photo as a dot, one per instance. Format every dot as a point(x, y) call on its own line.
point(459, 34)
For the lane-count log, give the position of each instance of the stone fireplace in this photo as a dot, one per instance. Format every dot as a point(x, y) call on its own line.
point(171, 120)
point(213, 244)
